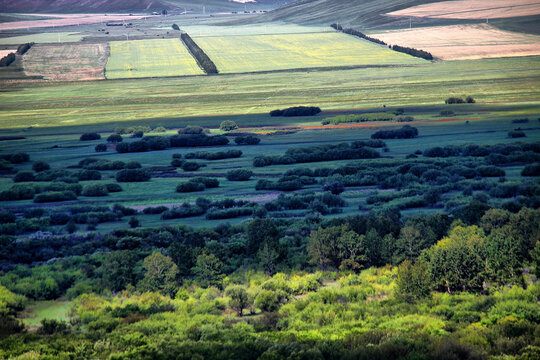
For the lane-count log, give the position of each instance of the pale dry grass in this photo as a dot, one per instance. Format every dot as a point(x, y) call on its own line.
point(473, 9)
point(464, 42)
point(6, 52)
point(66, 20)
point(66, 62)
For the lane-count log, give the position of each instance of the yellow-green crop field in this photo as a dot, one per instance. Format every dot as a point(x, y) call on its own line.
point(238, 54)
point(150, 58)
point(44, 38)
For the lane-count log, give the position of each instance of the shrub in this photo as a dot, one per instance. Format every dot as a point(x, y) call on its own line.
point(23, 48)
point(516, 134)
point(267, 300)
point(95, 190)
point(231, 154)
point(115, 138)
point(297, 111)
point(208, 182)
point(175, 27)
point(190, 166)
point(406, 132)
point(40, 166)
point(133, 175)
point(133, 165)
point(177, 163)
point(335, 187)
point(157, 142)
point(191, 130)
point(137, 134)
point(7, 60)
point(23, 176)
point(247, 140)
point(446, 113)
point(454, 100)
point(53, 196)
point(18, 158)
point(90, 136)
point(182, 140)
point(470, 100)
point(228, 125)
point(133, 222)
point(85, 175)
point(239, 175)
point(520, 121)
point(100, 148)
point(531, 170)
point(190, 186)
point(202, 59)
point(113, 187)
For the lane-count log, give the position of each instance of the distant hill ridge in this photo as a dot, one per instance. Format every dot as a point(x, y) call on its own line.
point(89, 6)
point(368, 13)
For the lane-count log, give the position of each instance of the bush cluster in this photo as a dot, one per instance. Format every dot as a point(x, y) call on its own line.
point(239, 175)
point(230, 154)
point(7, 60)
point(54, 196)
point(15, 158)
point(356, 118)
point(406, 132)
point(247, 140)
point(23, 48)
point(202, 59)
point(458, 100)
point(90, 136)
point(297, 111)
point(198, 184)
point(413, 52)
point(133, 175)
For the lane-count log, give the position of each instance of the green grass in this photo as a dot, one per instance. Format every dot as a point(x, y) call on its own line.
point(494, 83)
point(237, 54)
point(43, 38)
point(150, 58)
point(35, 312)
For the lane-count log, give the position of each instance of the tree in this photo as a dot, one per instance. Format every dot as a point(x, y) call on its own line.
point(260, 232)
point(160, 274)
point(40, 166)
point(133, 222)
point(267, 259)
point(267, 300)
point(412, 281)
point(239, 299)
point(118, 270)
point(374, 247)
point(183, 256)
point(503, 257)
point(71, 227)
point(228, 125)
point(412, 240)
point(208, 270)
point(100, 148)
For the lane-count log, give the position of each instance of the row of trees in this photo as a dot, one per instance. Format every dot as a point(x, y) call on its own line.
point(202, 59)
point(296, 111)
point(405, 132)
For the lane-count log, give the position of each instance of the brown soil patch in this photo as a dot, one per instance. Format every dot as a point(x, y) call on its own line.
point(6, 52)
point(67, 20)
point(464, 42)
point(473, 9)
point(67, 62)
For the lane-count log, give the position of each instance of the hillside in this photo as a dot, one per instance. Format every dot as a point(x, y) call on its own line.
point(367, 13)
point(88, 6)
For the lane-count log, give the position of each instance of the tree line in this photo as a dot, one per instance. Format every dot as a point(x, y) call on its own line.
point(202, 59)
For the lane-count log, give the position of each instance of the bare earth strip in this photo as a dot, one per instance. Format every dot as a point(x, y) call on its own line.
point(67, 62)
point(473, 9)
point(6, 52)
point(66, 20)
point(464, 42)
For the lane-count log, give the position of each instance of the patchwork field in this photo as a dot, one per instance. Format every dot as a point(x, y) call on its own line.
point(238, 54)
point(43, 38)
point(66, 20)
point(150, 58)
point(516, 79)
point(472, 9)
point(460, 42)
point(275, 28)
point(67, 62)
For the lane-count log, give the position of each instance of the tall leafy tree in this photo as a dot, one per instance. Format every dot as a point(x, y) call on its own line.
point(160, 274)
point(118, 270)
point(413, 281)
point(208, 270)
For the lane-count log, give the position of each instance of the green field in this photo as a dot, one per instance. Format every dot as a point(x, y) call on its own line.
point(150, 58)
point(493, 82)
point(238, 54)
point(38, 311)
point(43, 38)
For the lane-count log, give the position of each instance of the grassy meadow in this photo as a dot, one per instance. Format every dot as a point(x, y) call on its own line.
point(238, 54)
point(150, 58)
point(43, 38)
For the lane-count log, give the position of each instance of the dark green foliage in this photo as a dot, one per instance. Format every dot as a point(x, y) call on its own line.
point(133, 222)
point(133, 175)
point(23, 48)
point(17, 158)
point(190, 166)
point(55, 196)
point(335, 188)
point(229, 154)
point(413, 52)
point(7, 60)
point(95, 190)
point(23, 176)
point(157, 142)
point(239, 175)
point(190, 186)
point(359, 34)
point(52, 326)
point(175, 27)
point(202, 59)
point(216, 214)
point(516, 134)
point(5, 165)
point(406, 132)
point(454, 100)
point(115, 138)
point(197, 140)
point(100, 148)
point(297, 111)
point(208, 270)
point(39, 166)
point(247, 140)
point(90, 136)
point(531, 170)
point(228, 125)
point(86, 175)
point(520, 121)
point(260, 232)
point(413, 281)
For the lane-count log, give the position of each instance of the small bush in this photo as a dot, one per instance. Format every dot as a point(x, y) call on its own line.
point(133, 165)
point(190, 166)
point(90, 136)
point(40, 166)
point(228, 125)
point(247, 140)
point(175, 27)
point(54, 196)
point(516, 134)
point(115, 138)
point(190, 186)
point(191, 130)
point(239, 175)
point(296, 111)
point(454, 100)
point(95, 190)
point(133, 175)
point(531, 170)
point(100, 148)
point(22, 176)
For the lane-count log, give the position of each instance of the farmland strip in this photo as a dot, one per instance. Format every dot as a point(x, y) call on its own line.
point(202, 59)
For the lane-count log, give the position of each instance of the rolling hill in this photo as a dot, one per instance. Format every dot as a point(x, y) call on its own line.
point(89, 6)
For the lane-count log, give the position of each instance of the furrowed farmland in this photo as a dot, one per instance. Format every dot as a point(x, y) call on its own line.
point(237, 54)
point(184, 180)
point(150, 58)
